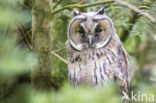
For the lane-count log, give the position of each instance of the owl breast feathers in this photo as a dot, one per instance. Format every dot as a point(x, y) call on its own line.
point(95, 53)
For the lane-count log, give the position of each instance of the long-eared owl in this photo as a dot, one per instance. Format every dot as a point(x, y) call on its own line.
point(96, 55)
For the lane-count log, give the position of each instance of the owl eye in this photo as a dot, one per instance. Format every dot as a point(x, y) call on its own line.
point(81, 30)
point(98, 29)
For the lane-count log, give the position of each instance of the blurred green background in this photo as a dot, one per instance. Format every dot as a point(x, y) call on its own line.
point(137, 33)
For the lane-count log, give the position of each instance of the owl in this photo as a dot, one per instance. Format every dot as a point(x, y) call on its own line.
point(96, 55)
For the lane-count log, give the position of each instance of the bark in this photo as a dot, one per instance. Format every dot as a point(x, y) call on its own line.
point(41, 32)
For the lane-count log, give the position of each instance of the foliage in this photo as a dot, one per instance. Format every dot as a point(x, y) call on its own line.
point(13, 59)
point(67, 94)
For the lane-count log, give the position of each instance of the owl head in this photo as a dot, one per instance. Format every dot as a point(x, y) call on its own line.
point(90, 30)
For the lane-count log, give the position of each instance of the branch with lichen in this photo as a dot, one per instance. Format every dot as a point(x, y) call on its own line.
point(132, 7)
point(82, 6)
point(123, 3)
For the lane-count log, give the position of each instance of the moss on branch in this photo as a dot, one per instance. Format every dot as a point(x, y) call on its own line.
point(123, 3)
point(82, 6)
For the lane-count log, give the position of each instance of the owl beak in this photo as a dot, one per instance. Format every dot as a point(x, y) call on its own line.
point(90, 40)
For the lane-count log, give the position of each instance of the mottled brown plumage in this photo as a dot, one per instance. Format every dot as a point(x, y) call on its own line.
point(98, 61)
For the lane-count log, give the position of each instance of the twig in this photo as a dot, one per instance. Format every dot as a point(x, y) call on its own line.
point(29, 35)
point(59, 57)
point(136, 10)
point(25, 38)
point(59, 1)
point(57, 50)
point(82, 6)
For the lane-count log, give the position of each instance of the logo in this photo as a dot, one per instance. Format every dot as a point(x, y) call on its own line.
point(138, 97)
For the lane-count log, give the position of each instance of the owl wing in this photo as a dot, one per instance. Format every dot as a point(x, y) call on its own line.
point(122, 76)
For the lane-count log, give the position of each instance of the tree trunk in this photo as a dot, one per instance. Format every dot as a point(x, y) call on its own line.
point(41, 34)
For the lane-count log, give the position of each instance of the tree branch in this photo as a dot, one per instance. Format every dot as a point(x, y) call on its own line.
point(25, 38)
point(83, 6)
point(59, 57)
point(126, 4)
point(59, 1)
point(123, 3)
point(57, 50)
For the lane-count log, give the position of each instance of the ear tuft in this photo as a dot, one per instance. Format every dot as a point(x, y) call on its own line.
point(76, 12)
point(101, 11)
